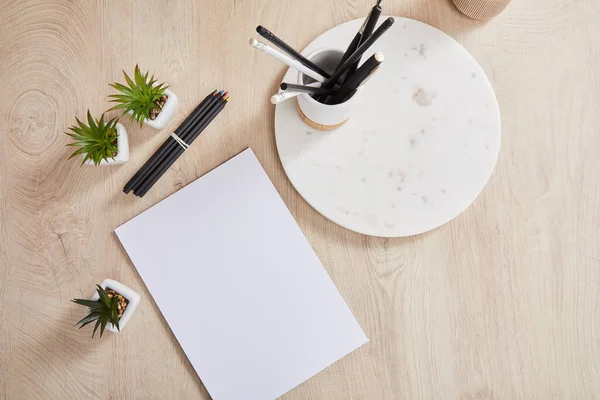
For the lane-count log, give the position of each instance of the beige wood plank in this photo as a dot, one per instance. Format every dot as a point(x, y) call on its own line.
point(502, 302)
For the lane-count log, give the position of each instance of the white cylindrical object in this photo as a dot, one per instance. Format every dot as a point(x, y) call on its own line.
point(281, 96)
point(288, 94)
point(286, 60)
point(481, 9)
point(324, 116)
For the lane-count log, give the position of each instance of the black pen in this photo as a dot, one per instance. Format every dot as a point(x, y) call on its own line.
point(352, 46)
point(304, 89)
point(351, 49)
point(358, 79)
point(328, 84)
point(267, 34)
point(369, 27)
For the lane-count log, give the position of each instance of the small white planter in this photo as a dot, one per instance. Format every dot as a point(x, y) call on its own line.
point(129, 294)
point(122, 149)
point(167, 112)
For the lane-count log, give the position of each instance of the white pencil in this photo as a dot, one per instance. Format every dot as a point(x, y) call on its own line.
point(281, 96)
point(288, 94)
point(286, 60)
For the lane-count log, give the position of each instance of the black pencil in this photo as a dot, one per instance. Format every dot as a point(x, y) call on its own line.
point(349, 51)
point(163, 168)
point(358, 53)
point(361, 75)
point(157, 154)
point(302, 88)
point(370, 23)
point(351, 47)
point(155, 158)
point(158, 172)
point(184, 135)
point(267, 34)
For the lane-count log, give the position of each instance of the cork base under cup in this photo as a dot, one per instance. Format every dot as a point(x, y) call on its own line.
point(316, 126)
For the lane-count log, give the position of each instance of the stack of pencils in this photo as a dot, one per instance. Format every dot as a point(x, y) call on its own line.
point(177, 143)
point(338, 85)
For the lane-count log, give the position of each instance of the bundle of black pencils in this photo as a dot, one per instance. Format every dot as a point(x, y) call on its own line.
point(341, 84)
point(347, 74)
point(177, 143)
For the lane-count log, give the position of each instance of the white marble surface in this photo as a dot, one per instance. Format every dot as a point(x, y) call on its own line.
point(420, 148)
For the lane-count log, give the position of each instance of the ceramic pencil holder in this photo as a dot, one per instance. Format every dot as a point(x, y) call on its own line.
point(324, 117)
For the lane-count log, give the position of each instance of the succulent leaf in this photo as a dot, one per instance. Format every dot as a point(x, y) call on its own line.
point(97, 140)
point(102, 311)
point(139, 96)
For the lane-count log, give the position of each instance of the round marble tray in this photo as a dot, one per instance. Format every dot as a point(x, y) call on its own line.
point(421, 146)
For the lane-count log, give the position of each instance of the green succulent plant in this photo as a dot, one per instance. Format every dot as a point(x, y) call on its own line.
point(139, 96)
point(97, 140)
point(103, 311)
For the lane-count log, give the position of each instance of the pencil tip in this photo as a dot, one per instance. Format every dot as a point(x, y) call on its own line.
point(379, 2)
point(253, 42)
point(283, 86)
point(225, 95)
point(227, 99)
point(260, 29)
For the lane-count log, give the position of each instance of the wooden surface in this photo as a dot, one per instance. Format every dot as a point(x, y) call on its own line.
point(503, 302)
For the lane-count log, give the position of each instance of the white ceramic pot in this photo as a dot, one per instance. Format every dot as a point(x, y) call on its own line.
point(166, 113)
point(129, 294)
point(122, 149)
point(318, 115)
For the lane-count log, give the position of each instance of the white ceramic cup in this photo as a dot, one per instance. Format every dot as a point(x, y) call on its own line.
point(318, 115)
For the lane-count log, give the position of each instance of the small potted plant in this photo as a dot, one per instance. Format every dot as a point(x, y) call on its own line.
point(100, 143)
point(146, 101)
point(111, 307)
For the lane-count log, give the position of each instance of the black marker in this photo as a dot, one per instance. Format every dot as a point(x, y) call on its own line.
point(267, 34)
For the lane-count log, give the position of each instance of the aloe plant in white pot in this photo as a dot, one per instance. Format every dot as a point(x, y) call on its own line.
point(144, 99)
point(99, 142)
point(111, 307)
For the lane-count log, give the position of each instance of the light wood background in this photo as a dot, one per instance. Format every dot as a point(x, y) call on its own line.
point(503, 302)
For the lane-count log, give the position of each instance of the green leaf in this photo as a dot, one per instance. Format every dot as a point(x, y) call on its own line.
point(114, 316)
point(104, 296)
point(87, 323)
point(140, 80)
point(91, 317)
point(94, 140)
point(103, 325)
point(96, 327)
point(122, 88)
point(91, 122)
point(128, 80)
point(139, 96)
point(93, 304)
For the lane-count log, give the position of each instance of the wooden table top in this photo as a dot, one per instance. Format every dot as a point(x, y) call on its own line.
point(502, 302)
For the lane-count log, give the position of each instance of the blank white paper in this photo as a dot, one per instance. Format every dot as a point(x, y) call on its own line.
point(239, 285)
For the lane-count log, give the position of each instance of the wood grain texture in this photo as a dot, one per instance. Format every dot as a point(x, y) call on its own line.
point(503, 302)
